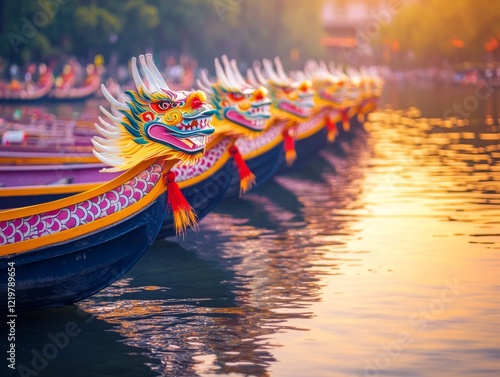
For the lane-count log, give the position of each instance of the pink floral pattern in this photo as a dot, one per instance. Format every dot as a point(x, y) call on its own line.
point(311, 123)
point(248, 145)
point(211, 156)
point(73, 216)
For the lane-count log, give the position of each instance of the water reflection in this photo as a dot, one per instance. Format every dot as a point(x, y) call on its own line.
point(214, 304)
point(323, 270)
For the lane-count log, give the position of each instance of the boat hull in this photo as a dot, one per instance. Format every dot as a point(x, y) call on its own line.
point(264, 167)
point(72, 271)
point(312, 136)
point(203, 196)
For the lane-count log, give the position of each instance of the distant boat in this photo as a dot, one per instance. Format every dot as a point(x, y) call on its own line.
point(70, 93)
point(22, 92)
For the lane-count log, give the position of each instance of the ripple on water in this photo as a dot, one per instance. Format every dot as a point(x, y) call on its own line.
point(317, 272)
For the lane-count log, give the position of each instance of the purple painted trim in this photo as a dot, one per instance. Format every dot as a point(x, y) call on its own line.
point(78, 214)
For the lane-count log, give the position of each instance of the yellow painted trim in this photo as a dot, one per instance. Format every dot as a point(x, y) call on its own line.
point(71, 234)
point(216, 167)
point(60, 203)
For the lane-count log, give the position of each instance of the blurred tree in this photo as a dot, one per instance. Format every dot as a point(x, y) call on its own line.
point(435, 30)
point(244, 29)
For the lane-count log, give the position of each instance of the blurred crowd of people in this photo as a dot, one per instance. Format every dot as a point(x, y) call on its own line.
point(177, 69)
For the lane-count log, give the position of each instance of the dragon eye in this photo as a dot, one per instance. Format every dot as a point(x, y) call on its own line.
point(236, 96)
point(161, 106)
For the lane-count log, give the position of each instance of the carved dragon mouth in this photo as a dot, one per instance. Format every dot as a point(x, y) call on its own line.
point(335, 96)
point(189, 136)
point(254, 119)
point(301, 108)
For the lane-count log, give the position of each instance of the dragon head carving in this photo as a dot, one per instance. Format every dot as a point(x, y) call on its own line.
point(291, 99)
point(330, 88)
point(242, 109)
point(152, 121)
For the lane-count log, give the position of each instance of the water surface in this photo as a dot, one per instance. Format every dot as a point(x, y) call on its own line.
point(380, 258)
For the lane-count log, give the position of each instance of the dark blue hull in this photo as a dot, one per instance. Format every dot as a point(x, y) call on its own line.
point(307, 148)
point(354, 124)
point(263, 166)
point(67, 273)
point(203, 196)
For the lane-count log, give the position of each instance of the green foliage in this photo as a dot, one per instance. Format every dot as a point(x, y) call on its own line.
point(244, 29)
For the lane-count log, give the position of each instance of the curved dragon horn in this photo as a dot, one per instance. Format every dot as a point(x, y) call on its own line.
point(279, 69)
point(323, 66)
point(268, 66)
point(251, 78)
point(229, 72)
point(332, 68)
point(297, 75)
point(352, 73)
point(203, 87)
point(221, 76)
point(301, 76)
point(203, 82)
point(237, 73)
point(112, 100)
point(106, 160)
point(323, 70)
point(260, 76)
point(307, 72)
point(153, 86)
point(137, 78)
point(106, 125)
point(204, 78)
point(156, 72)
point(113, 118)
point(311, 69)
point(105, 132)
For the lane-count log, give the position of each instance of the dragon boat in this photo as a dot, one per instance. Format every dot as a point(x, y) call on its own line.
point(337, 99)
point(45, 134)
point(242, 113)
point(292, 102)
point(69, 91)
point(203, 184)
point(63, 251)
point(243, 117)
point(16, 91)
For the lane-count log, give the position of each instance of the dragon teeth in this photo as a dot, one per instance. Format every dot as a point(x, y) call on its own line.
point(199, 140)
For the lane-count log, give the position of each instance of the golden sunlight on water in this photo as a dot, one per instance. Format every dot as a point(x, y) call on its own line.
point(381, 259)
point(424, 300)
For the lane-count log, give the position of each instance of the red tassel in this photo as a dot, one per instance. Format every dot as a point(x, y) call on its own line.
point(345, 120)
point(331, 127)
point(361, 115)
point(247, 178)
point(184, 215)
point(289, 144)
